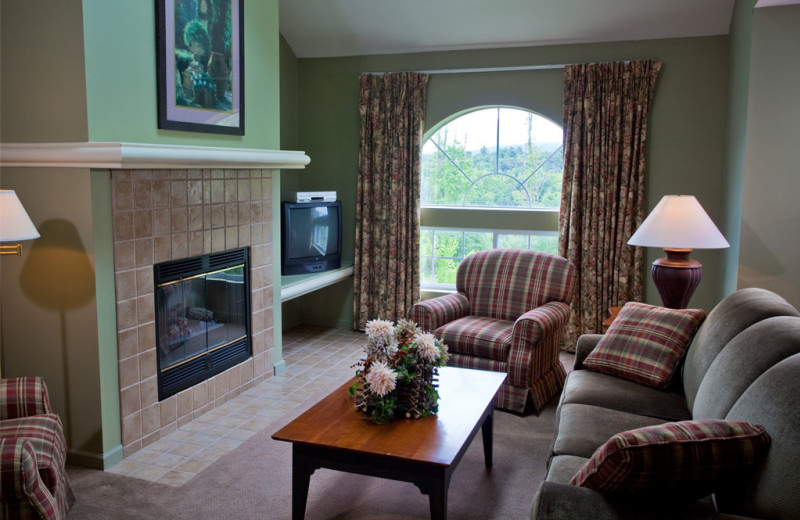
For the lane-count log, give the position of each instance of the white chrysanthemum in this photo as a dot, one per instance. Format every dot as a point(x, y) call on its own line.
point(426, 346)
point(378, 328)
point(381, 379)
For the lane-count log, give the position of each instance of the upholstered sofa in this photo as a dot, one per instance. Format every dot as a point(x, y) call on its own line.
point(741, 367)
point(33, 478)
point(508, 314)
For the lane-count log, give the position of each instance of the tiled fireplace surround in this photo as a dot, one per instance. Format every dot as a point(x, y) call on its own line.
point(161, 215)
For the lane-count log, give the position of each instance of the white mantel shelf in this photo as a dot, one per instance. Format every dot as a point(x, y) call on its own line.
point(145, 156)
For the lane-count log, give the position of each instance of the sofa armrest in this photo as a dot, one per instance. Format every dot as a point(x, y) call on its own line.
point(432, 314)
point(21, 485)
point(555, 501)
point(585, 344)
point(23, 397)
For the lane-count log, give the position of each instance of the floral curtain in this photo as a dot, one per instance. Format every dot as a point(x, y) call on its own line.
point(392, 108)
point(606, 106)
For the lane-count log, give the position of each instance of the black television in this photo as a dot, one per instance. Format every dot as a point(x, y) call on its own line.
point(311, 237)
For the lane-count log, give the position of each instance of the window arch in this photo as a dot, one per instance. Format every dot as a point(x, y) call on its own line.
point(494, 157)
point(491, 177)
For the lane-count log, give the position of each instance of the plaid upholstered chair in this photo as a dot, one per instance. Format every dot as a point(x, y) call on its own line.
point(508, 314)
point(33, 452)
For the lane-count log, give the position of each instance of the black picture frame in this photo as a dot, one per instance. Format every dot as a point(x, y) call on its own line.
point(200, 61)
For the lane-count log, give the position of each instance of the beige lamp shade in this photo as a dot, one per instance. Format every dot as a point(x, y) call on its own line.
point(679, 222)
point(15, 225)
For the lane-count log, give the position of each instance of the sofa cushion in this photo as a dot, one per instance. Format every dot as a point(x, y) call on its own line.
point(581, 428)
point(729, 317)
point(772, 401)
point(742, 361)
point(478, 336)
point(594, 388)
point(645, 343)
point(688, 459)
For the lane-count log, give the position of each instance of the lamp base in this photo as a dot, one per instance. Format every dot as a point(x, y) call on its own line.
point(676, 277)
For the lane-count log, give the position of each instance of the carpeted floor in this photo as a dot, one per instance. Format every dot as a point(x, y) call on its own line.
point(254, 482)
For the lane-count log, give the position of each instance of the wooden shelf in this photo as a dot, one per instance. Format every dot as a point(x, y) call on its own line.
point(300, 284)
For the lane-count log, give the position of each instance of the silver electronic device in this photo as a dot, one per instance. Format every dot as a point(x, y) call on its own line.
point(315, 196)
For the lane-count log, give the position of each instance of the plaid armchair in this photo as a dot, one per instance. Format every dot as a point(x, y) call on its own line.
point(508, 315)
point(33, 451)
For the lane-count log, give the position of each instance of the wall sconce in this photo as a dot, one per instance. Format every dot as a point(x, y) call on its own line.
point(15, 225)
point(678, 224)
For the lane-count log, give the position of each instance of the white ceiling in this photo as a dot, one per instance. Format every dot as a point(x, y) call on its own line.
point(326, 28)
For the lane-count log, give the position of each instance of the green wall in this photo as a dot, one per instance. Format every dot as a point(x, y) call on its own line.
point(121, 76)
point(735, 138)
point(42, 71)
point(685, 138)
point(770, 248)
point(74, 71)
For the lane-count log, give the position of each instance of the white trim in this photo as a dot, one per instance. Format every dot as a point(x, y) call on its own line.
point(294, 286)
point(775, 3)
point(147, 156)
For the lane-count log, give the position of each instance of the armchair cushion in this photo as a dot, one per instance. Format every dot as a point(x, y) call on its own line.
point(645, 343)
point(506, 283)
point(687, 459)
point(477, 336)
point(23, 397)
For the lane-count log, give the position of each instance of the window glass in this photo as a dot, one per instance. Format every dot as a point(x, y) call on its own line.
point(491, 159)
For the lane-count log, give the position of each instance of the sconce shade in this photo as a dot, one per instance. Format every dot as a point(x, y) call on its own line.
point(15, 225)
point(679, 222)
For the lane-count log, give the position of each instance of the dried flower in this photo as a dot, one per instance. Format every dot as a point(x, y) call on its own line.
point(376, 328)
point(426, 346)
point(381, 379)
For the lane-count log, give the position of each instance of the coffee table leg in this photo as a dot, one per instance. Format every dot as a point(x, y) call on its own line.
point(301, 477)
point(487, 430)
point(438, 498)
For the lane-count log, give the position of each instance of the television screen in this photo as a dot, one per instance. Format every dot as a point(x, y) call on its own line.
point(313, 231)
point(311, 237)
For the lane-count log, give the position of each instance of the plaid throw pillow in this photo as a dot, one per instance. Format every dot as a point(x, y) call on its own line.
point(690, 459)
point(645, 343)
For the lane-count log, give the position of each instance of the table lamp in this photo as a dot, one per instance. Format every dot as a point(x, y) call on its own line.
point(678, 224)
point(15, 225)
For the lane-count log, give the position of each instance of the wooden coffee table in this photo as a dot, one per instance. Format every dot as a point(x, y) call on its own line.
point(425, 452)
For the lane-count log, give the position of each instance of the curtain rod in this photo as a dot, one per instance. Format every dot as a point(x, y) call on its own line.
point(484, 69)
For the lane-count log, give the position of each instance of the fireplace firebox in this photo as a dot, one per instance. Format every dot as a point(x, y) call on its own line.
point(202, 318)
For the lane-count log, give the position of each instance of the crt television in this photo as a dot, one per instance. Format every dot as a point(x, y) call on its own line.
point(311, 237)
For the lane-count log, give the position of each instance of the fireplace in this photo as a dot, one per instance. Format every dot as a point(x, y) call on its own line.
point(202, 314)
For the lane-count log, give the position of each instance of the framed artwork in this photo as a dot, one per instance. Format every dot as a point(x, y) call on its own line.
point(200, 60)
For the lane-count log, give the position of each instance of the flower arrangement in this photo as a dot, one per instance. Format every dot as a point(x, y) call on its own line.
point(398, 376)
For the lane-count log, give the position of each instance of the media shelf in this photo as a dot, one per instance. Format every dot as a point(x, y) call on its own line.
point(300, 284)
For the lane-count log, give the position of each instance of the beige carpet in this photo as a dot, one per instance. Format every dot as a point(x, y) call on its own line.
point(254, 482)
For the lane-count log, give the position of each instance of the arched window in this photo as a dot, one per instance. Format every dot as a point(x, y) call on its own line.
point(491, 177)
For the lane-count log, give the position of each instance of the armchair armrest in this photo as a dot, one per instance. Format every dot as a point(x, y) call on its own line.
point(555, 501)
point(432, 314)
point(23, 397)
point(541, 321)
point(535, 334)
point(584, 346)
point(21, 485)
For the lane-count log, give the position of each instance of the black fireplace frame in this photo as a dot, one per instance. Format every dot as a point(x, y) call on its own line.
point(207, 365)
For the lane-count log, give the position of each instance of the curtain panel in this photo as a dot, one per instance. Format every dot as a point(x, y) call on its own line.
point(386, 271)
point(606, 106)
